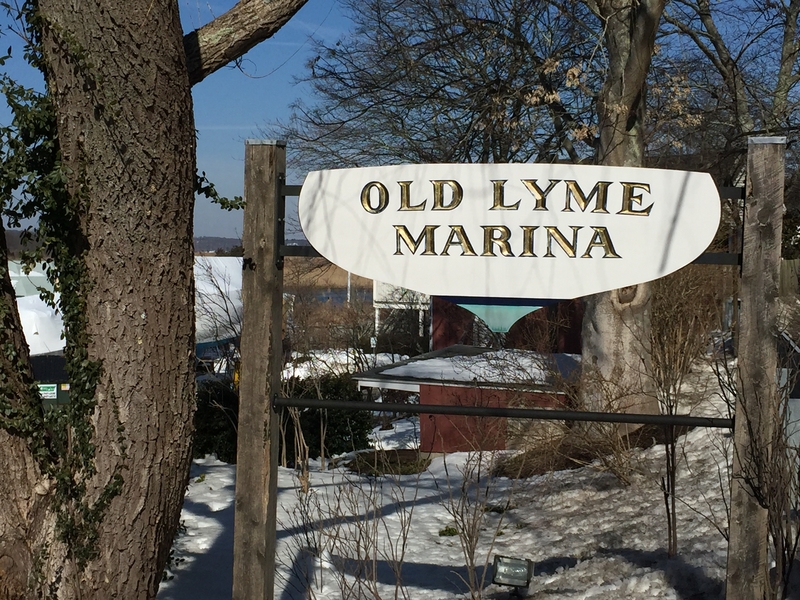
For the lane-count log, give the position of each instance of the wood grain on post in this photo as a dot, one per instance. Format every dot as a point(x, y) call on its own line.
point(257, 449)
point(757, 406)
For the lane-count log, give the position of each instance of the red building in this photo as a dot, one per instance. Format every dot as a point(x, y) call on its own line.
point(461, 375)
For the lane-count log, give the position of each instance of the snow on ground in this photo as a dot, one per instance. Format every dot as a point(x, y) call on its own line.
point(318, 363)
point(403, 435)
point(495, 365)
point(589, 535)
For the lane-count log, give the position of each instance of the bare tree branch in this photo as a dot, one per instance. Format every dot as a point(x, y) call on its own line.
point(234, 33)
point(471, 81)
point(787, 76)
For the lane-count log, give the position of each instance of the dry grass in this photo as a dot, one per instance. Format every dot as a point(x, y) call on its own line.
point(571, 451)
point(319, 273)
point(395, 462)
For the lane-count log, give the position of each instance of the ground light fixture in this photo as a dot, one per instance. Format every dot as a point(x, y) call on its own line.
point(516, 572)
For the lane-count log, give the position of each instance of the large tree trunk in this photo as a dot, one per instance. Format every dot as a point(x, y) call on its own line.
point(129, 146)
point(118, 77)
point(616, 323)
point(91, 496)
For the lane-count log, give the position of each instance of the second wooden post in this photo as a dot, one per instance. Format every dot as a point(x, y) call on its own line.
point(757, 402)
point(260, 347)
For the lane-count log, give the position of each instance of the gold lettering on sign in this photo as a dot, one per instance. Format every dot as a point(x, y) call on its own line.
point(402, 235)
point(628, 198)
point(601, 239)
point(405, 197)
point(458, 237)
point(448, 194)
point(554, 234)
point(600, 190)
point(527, 240)
point(497, 241)
point(501, 241)
point(499, 197)
point(383, 197)
point(541, 196)
point(438, 194)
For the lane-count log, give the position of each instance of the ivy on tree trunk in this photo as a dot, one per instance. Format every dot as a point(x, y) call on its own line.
point(90, 505)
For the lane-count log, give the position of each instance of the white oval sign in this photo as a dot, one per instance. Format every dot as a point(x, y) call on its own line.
point(509, 230)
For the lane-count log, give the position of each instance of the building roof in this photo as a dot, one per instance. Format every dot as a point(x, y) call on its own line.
point(472, 366)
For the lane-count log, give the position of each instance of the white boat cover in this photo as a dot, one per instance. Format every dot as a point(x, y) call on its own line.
point(218, 301)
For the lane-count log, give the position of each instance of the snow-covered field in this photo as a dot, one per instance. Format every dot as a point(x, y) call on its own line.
point(589, 535)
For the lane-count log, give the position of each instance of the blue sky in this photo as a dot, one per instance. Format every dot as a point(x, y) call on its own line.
point(231, 105)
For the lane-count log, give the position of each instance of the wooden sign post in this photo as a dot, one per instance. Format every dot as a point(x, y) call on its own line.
point(757, 403)
point(257, 448)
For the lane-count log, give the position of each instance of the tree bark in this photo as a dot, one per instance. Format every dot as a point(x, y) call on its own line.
point(21, 519)
point(616, 323)
point(118, 76)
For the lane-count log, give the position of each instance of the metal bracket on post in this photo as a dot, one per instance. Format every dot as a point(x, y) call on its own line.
point(724, 258)
point(280, 221)
point(284, 250)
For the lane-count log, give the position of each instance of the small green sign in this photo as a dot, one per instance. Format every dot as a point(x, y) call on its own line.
point(48, 391)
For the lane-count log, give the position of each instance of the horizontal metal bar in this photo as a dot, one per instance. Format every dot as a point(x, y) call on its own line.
point(513, 413)
point(718, 258)
point(291, 190)
point(731, 193)
point(307, 251)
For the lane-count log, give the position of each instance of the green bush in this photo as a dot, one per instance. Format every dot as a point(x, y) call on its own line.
point(217, 415)
point(345, 430)
point(215, 421)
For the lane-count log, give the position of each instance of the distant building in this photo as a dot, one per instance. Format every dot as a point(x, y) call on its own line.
point(471, 376)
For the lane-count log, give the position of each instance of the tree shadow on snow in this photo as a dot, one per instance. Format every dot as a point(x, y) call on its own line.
point(306, 569)
point(551, 565)
point(216, 559)
point(690, 582)
point(289, 529)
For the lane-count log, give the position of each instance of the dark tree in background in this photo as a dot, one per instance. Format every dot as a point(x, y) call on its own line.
point(425, 81)
point(616, 324)
point(737, 66)
point(506, 80)
point(524, 81)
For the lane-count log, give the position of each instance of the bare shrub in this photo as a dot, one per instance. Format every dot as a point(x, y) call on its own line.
point(470, 504)
point(346, 537)
point(770, 467)
point(377, 463)
point(685, 307)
